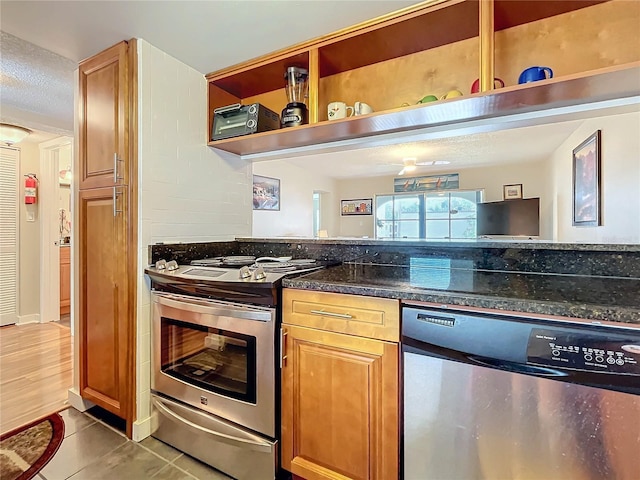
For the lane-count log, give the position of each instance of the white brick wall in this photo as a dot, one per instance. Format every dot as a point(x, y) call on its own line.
point(188, 192)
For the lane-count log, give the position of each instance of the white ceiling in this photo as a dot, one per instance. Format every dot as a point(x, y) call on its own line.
point(36, 86)
point(42, 42)
point(207, 35)
point(521, 145)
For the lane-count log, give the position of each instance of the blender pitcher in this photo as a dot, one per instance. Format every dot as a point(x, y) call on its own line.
point(295, 113)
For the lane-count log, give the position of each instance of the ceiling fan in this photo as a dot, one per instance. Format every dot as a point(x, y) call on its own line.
point(409, 164)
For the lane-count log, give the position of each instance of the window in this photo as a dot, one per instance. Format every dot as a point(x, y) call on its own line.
point(427, 215)
point(316, 212)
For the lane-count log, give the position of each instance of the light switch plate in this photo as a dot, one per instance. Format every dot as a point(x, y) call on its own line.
point(31, 216)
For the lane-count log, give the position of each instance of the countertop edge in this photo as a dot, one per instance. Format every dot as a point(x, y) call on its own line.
point(589, 312)
point(483, 243)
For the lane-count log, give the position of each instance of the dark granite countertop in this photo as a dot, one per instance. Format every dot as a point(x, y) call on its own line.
point(511, 242)
point(579, 296)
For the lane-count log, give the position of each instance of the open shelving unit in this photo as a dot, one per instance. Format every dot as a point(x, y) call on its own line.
point(434, 47)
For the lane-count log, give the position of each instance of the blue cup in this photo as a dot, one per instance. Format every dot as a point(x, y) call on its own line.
point(533, 74)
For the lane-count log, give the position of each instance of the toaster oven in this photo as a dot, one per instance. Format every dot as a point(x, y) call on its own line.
point(237, 119)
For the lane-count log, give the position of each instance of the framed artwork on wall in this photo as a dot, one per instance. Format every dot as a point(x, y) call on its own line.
point(512, 192)
point(266, 193)
point(359, 206)
point(428, 183)
point(586, 182)
point(64, 177)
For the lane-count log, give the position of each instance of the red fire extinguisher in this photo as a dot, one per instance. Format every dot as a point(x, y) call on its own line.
point(30, 189)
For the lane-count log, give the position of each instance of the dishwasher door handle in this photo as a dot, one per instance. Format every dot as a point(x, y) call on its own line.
point(412, 345)
point(515, 367)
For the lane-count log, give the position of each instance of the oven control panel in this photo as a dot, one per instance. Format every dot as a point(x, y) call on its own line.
point(576, 350)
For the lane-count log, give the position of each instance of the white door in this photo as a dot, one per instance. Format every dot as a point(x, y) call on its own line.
point(9, 168)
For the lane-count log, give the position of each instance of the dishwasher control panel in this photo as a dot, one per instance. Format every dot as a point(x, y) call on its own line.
point(619, 354)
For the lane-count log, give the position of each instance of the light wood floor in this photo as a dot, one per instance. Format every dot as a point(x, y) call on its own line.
point(36, 364)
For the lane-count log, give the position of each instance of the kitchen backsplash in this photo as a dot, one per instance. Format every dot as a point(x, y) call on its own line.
point(579, 259)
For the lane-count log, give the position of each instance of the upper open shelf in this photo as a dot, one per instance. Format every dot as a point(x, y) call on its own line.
point(591, 91)
point(393, 61)
point(417, 29)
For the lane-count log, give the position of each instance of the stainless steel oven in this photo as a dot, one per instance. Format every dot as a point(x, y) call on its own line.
point(216, 375)
point(218, 357)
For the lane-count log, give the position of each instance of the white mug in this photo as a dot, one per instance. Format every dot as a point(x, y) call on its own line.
point(361, 108)
point(337, 110)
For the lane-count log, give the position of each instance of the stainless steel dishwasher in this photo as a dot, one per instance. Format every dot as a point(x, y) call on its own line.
point(502, 397)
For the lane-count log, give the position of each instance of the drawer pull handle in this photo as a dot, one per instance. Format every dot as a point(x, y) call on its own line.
point(283, 347)
point(330, 314)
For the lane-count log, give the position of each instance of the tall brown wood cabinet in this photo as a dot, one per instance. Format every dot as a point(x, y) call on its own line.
point(107, 229)
point(340, 389)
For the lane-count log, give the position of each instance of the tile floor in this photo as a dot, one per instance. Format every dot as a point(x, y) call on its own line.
point(93, 450)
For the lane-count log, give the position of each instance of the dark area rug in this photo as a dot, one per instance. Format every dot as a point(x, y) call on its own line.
point(25, 450)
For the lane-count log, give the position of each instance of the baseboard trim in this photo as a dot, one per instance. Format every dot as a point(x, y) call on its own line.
point(141, 429)
point(77, 402)
point(32, 318)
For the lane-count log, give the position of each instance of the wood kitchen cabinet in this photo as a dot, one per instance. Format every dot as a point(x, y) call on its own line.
point(430, 48)
point(65, 280)
point(104, 118)
point(107, 230)
point(340, 397)
point(105, 329)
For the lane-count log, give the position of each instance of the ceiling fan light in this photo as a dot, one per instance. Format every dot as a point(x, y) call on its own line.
point(409, 168)
point(10, 134)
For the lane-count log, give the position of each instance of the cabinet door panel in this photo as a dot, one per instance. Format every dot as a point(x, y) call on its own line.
point(327, 388)
point(103, 118)
point(339, 406)
point(65, 280)
point(103, 299)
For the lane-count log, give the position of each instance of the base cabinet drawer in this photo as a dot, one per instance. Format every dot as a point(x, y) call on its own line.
point(370, 317)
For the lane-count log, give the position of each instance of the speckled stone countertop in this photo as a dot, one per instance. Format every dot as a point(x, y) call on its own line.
point(590, 297)
point(513, 243)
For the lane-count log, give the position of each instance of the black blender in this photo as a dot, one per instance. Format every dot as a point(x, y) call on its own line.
point(295, 113)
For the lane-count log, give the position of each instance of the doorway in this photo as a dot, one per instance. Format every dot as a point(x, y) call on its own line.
point(320, 216)
point(56, 251)
point(36, 354)
point(10, 231)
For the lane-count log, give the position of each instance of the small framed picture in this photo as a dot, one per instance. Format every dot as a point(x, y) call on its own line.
point(512, 192)
point(266, 193)
point(586, 182)
point(360, 206)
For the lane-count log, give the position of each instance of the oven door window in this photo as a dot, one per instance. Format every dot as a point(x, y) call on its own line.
point(210, 358)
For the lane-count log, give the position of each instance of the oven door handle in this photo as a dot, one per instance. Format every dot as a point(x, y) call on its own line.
point(212, 308)
point(254, 443)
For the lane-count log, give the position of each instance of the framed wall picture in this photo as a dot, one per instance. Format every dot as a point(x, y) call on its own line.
point(512, 192)
point(586, 182)
point(266, 193)
point(64, 177)
point(428, 183)
point(359, 206)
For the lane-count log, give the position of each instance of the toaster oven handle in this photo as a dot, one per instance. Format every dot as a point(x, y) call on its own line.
point(253, 443)
point(214, 308)
point(229, 108)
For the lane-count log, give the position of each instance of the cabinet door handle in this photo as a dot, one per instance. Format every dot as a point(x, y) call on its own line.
point(283, 347)
point(116, 177)
point(116, 194)
point(330, 314)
